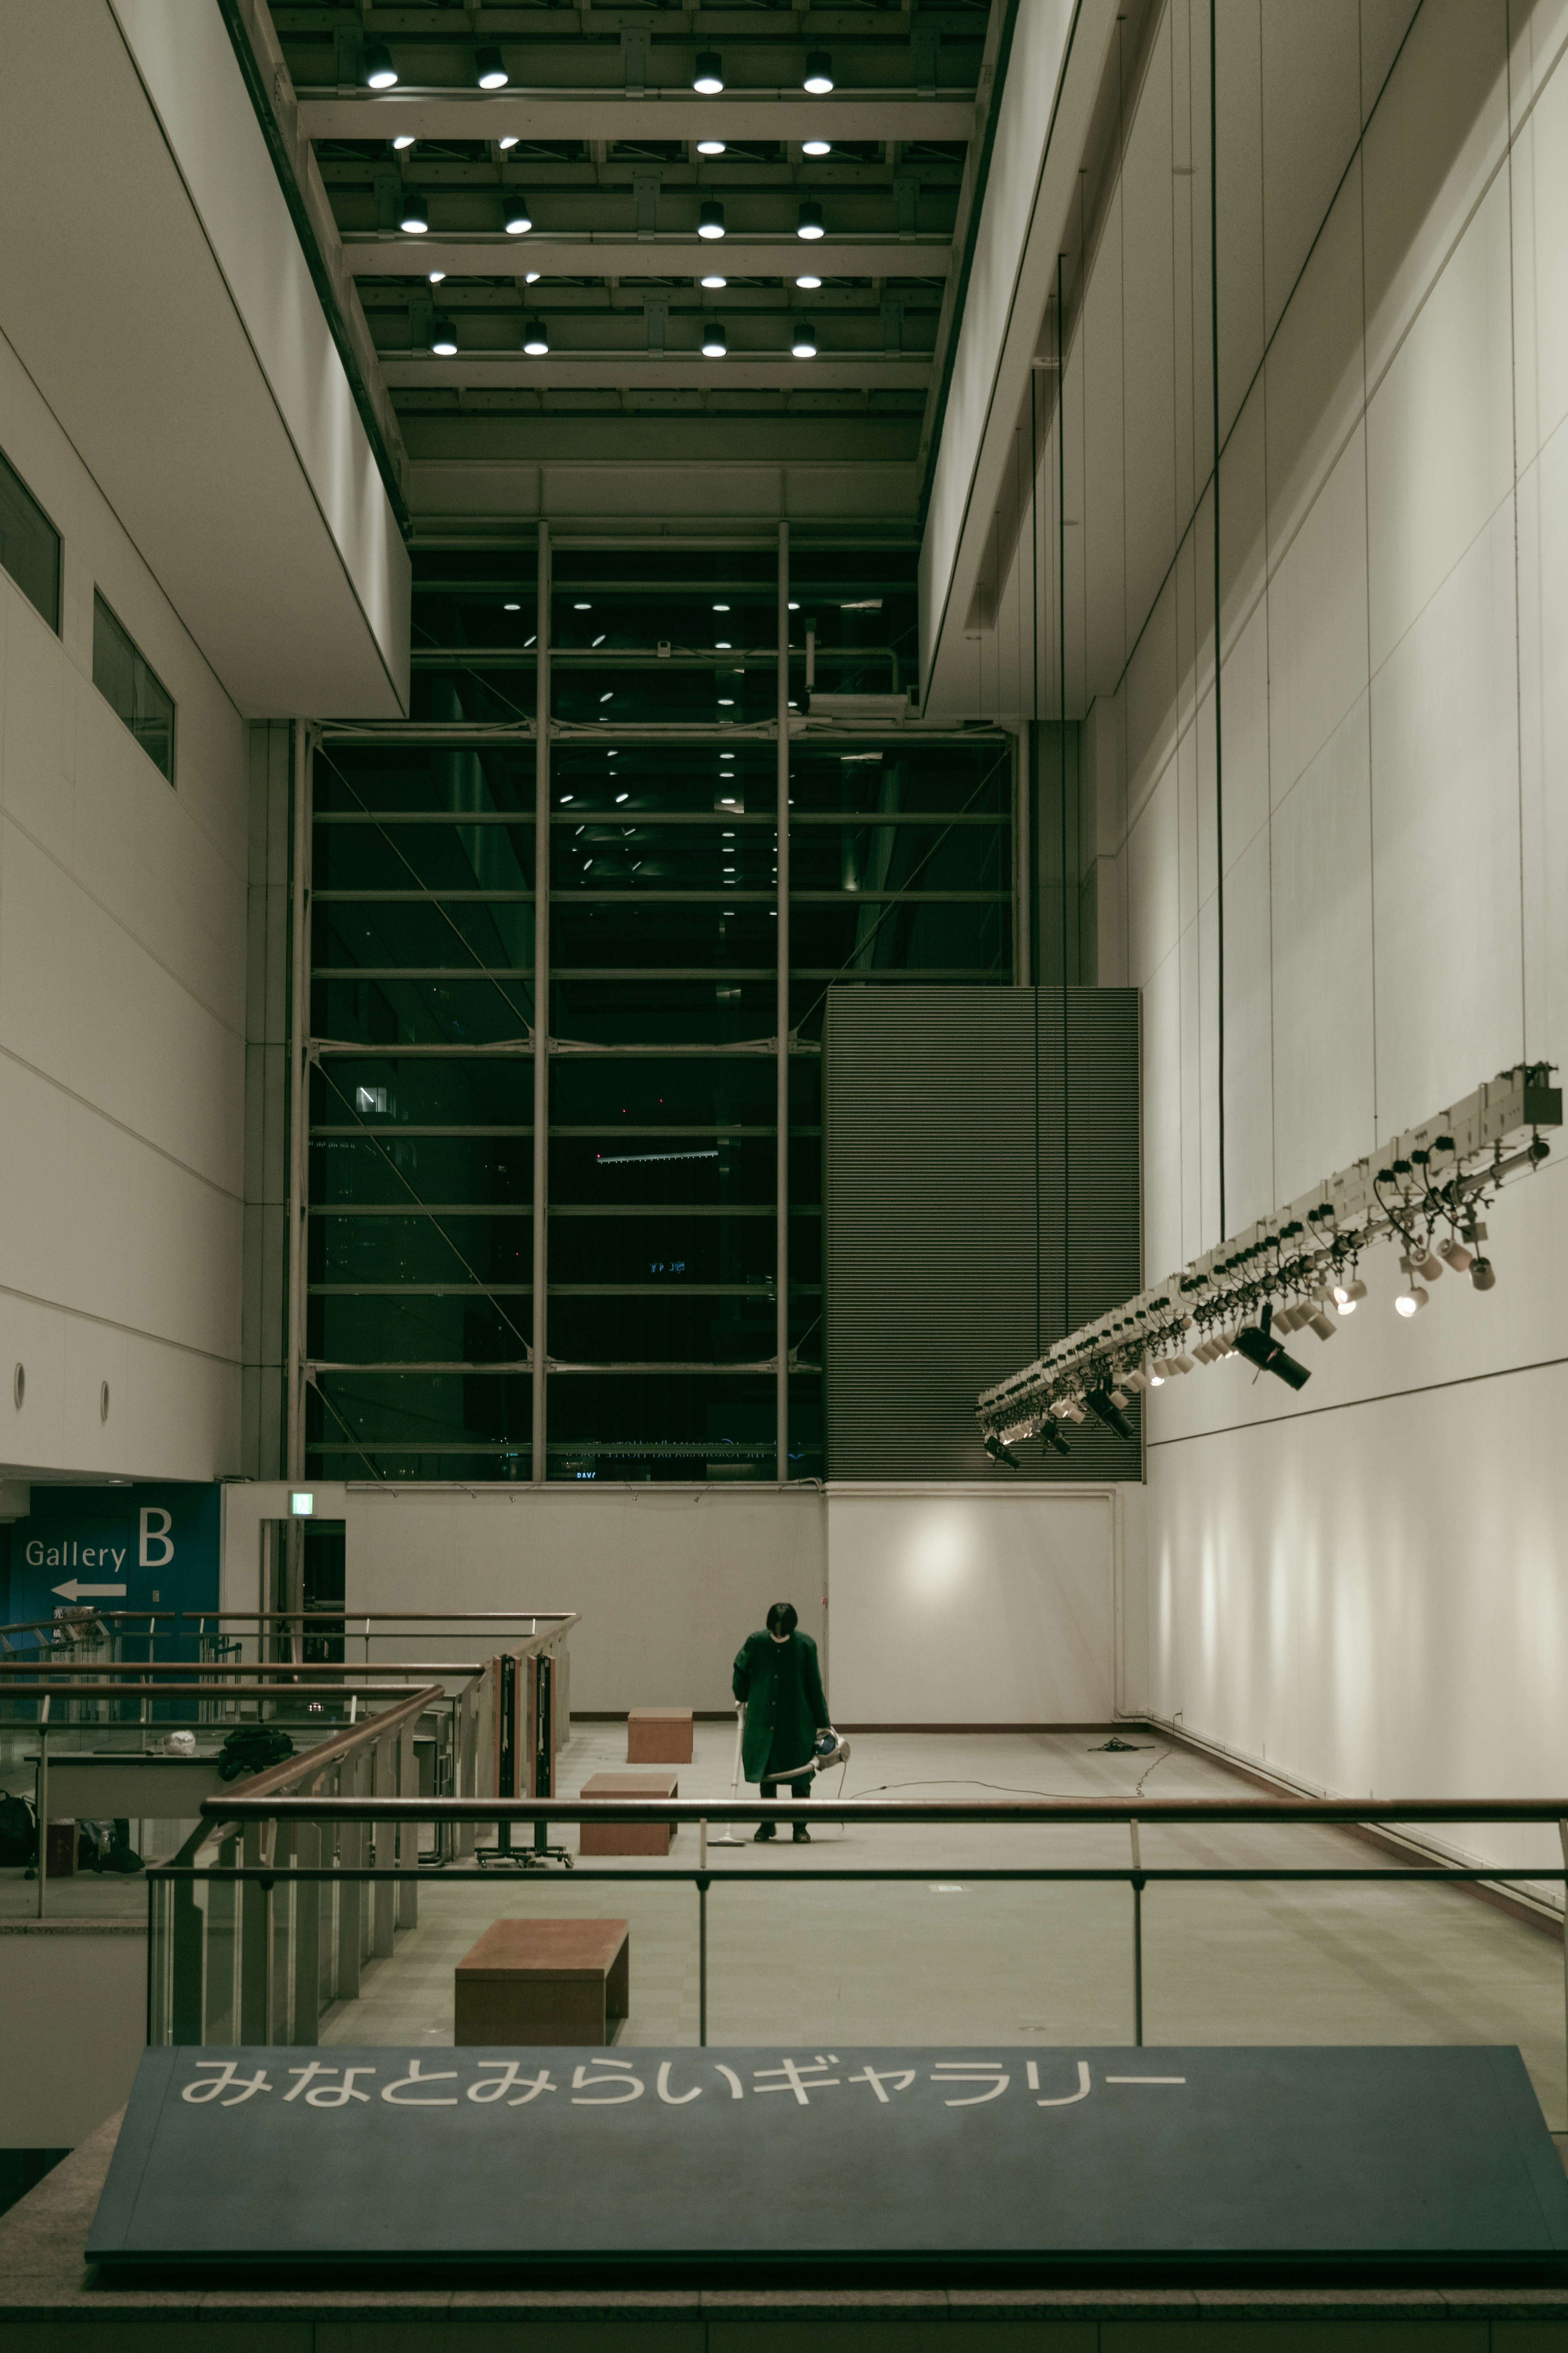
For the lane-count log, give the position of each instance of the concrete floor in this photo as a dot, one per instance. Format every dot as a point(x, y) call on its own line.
point(947, 1961)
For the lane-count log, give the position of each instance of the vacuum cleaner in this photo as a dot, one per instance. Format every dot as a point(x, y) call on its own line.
point(831, 1748)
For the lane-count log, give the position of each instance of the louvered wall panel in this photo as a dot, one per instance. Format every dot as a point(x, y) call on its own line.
point(981, 1181)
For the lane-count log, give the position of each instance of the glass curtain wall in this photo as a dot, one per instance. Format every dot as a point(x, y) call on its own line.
point(661, 856)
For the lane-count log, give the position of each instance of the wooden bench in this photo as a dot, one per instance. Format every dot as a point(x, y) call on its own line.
point(628, 1838)
point(658, 1735)
point(543, 1981)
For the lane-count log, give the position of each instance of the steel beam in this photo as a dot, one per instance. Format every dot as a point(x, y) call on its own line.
point(585, 253)
point(631, 372)
point(790, 115)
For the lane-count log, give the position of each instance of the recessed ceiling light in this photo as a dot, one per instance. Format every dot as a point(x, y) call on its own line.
point(710, 146)
point(507, 144)
point(720, 608)
point(437, 278)
point(816, 146)
point(726, 702)
point(620, 797)
point(402, 143)
point(714, 284)
point(531, 276)
point(512, 608)
point(808, 284)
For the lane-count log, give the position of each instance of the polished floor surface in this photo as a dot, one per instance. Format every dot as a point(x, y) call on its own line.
point(947, 1959)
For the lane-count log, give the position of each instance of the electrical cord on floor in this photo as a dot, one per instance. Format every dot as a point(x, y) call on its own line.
point(1005, 1788)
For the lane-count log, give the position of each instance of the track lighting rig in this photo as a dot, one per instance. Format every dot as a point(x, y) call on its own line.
point(1427, 1191)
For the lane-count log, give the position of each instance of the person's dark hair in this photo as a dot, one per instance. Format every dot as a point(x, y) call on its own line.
point(782, 1617)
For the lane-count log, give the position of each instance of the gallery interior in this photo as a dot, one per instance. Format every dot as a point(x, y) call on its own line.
point(784, 953)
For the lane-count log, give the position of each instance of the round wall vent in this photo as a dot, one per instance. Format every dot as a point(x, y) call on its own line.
point(19, 1385)
point(103, 1401)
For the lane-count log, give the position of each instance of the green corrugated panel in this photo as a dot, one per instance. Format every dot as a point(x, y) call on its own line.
point(981, 1182)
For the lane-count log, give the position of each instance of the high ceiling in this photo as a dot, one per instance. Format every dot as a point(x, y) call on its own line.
point(604, 127)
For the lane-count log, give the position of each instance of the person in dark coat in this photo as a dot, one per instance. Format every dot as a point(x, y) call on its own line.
point(777, 1676)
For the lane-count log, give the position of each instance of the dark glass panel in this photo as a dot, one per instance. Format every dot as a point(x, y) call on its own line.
point(806, 1244)
point(452, 1329)
point(902, 778)
point(679, 1328)
point(945, 856)
point(457, 1246)
point(455, 778)
point(739, 618)
point(861, 605)
point(477, 694)
point(397, 1169)
point(635, 1010)
point(122, 676)
point(721, 854)
point(671, 1250)
point(29, 545)
point(711, 778)
point(806, 1454)
point(670, 1426)
point(634, 1171)
point(674, 692)
point(405, 1465)
point(422, 1091)
point(439, 857)
point(473, 612)
point(485, 1412)
point(911, 934)
point(415, 1012)
point(608, 1091)
point(462, 937)
point(644, 937)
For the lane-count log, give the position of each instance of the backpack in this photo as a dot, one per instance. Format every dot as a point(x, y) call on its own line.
point(250, 1749)
point(18, 1833)
point(106, 1846)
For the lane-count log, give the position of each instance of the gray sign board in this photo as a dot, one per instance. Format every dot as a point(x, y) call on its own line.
point(984, 2159)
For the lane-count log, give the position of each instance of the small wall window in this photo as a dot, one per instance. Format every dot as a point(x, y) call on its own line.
point(29, 545)
point(122, 677)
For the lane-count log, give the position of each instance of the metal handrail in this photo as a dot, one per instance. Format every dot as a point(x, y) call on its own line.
point(127, 1689)
point(1142, 1811)
point(290, 1670)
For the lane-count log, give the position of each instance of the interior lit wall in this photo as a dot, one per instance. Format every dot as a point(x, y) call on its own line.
point(943, 1605)
point(122, 1016)
point(1366, 1583)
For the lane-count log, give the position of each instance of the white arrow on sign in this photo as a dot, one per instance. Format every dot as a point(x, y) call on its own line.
point(75, 1591)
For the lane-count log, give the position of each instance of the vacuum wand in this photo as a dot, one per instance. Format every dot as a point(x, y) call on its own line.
point(729, 1837)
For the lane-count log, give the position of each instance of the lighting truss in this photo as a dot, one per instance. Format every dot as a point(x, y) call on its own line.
point(1426, 1190)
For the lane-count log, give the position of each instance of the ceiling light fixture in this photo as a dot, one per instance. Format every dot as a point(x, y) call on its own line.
point(994, 1447)
point(512, 608)
point(808, 285)
point(818, 77)
point(1411, 1302)
point(507, 143)
point(707, 80)
point(715, 342)
point(444, 340)
point(816, 146)
point(488, 71)
point(437, 278)
point(810, 222)
point(535, 338)
point(531, 276)
point(1103, 1407)
point(710, 219)
point(379, 70)
point(414, 214)
point(803, 341)
point(1255, 1342)
point(518, 216)
point(710, 146)
point(714, 285)
point(402, 143)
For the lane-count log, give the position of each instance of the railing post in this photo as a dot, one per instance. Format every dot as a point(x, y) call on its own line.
point(701, 1962)
point(43, 1800)
point(384, 1892)
point(218, 2008)
point(185, 1964)
point(251, 2025)
point(1563, 1840)
point(307, 1973)
point(408, 1852)
point(1137, 1942)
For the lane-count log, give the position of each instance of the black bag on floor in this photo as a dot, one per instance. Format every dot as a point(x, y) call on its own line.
point(250, 1749)
point(18, 1834)
point(106, 1846)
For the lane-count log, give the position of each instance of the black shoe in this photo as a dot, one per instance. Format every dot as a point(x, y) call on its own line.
point(764, 1830)
point(802, 1835)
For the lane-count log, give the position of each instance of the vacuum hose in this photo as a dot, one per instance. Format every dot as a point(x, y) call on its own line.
point(831, 1748)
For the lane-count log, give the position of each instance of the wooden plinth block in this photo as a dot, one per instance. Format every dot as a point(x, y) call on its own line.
point(658, 1735)
point(628, 1838)
point(543, 1981)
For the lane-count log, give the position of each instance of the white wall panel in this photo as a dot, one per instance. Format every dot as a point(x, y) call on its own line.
point(1162, 1117)
point(1238, 201)
point(1316, 622)
point(1249, 1038)
point(1153, 882)
point(1244, 700)
point(1103, 505)
point(972, 1610)
point(1445, 765)
point(1312, 122)
point(1316, 386)
point(1322, 963)
point(1442, 415)
point(1542, 510)
point(1148, 310)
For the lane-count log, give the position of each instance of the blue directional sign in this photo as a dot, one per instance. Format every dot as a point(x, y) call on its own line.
point(987, 2158)
point(141, 1547)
